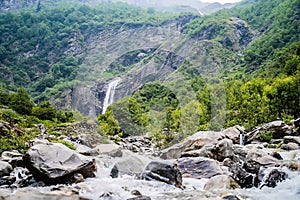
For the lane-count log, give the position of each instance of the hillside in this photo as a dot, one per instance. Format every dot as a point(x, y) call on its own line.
point(236, 66)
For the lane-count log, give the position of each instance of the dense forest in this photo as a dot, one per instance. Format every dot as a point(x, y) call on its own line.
point(43, 47)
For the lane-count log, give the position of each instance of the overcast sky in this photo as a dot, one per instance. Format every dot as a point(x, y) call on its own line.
point(221, 1)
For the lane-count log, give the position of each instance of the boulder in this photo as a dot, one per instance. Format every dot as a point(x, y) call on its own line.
point(112, 150)
point(218, 150)
point(194, 142)
point(5, 168)
point(199, 167)
point(132, 166)
point(278, 128)
point(270, 177)
point(164, 172)
point(293, 139)
point(141, 197)
point(55, 163)
point(257, 158)
point(234, 133)
point(14, 158)
point(240, 152)
point(137, 144)
point(290, 146)
point(240, 175)
point(221, 182)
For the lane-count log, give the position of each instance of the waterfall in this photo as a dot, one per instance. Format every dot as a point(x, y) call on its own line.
point(110, 93)
point(242, 139)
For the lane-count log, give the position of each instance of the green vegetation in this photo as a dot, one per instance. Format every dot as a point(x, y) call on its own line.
point(255, 46)
point(19, 119)
point(42, 49)
point(260, 79)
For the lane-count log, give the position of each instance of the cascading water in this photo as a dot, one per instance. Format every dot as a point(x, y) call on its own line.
point(110, 93)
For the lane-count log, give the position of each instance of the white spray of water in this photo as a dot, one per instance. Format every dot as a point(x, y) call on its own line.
point(110, 93)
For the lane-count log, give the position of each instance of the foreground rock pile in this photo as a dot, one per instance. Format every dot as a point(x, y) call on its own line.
point(228, 160)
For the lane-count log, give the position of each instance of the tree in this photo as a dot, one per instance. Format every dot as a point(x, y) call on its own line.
point(21, 103)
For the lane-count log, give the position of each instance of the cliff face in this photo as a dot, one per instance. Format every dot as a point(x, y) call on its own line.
point(145, 54)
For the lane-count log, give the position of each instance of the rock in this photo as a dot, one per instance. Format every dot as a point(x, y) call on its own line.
point(233, 133)
point(112, 150)
point(296, 123)
point(278, 128)
point(218, 151)
point(56, 163)
point(199, 167)
point(14, 158)
point(194, 142)
point(5, 168)
point(231, 197)
point(221, 182)
point(137, 144)
point(241, 176)
point(257, 158)
point(293, 139)
point(164, 172)
point(141, 197)
point(130, 166)
point(240, 152)
point(290, 146)
point(270, 177)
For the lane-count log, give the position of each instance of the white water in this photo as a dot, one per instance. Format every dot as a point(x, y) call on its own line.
point(110, 93)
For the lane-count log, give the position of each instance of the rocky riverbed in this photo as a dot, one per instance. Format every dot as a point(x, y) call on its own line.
point(230, 164)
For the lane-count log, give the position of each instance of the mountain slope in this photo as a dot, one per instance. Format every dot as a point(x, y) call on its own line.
point(69, 53)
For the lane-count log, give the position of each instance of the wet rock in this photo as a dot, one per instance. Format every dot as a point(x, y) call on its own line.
point(231, 197)
point(240, 152)
point(218, 150)
point(271, 177)
point(56, 163)
point(240, 175)
point(199, 167)
point(221, 182)
point(5, 168)
point(141, 197)
point(14, 158)
point(278, 128)
point(257, 158)
point(164, 172)
point(132, 166)
point(140, 144)
point(233, 133)
point(194, 142)
point(112, 150)
point(290, 146)
point(291, 139)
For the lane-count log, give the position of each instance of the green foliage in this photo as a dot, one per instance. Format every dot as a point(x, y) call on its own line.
point(108, 124)
point(50, 40)
point(266, 136)
point(20, 102)
point(66, 143)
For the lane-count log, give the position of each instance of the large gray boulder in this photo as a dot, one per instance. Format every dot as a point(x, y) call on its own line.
point(164, 172)
point(234, 133)
point(240, 175)
point(220, 182)
point(257, 158)
point(55, 163)
point(194, 142)
point(5, 168)
point(278, 128)
point(218, 150)
point(130, 165)
point(112, 150)
point(199, 167)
